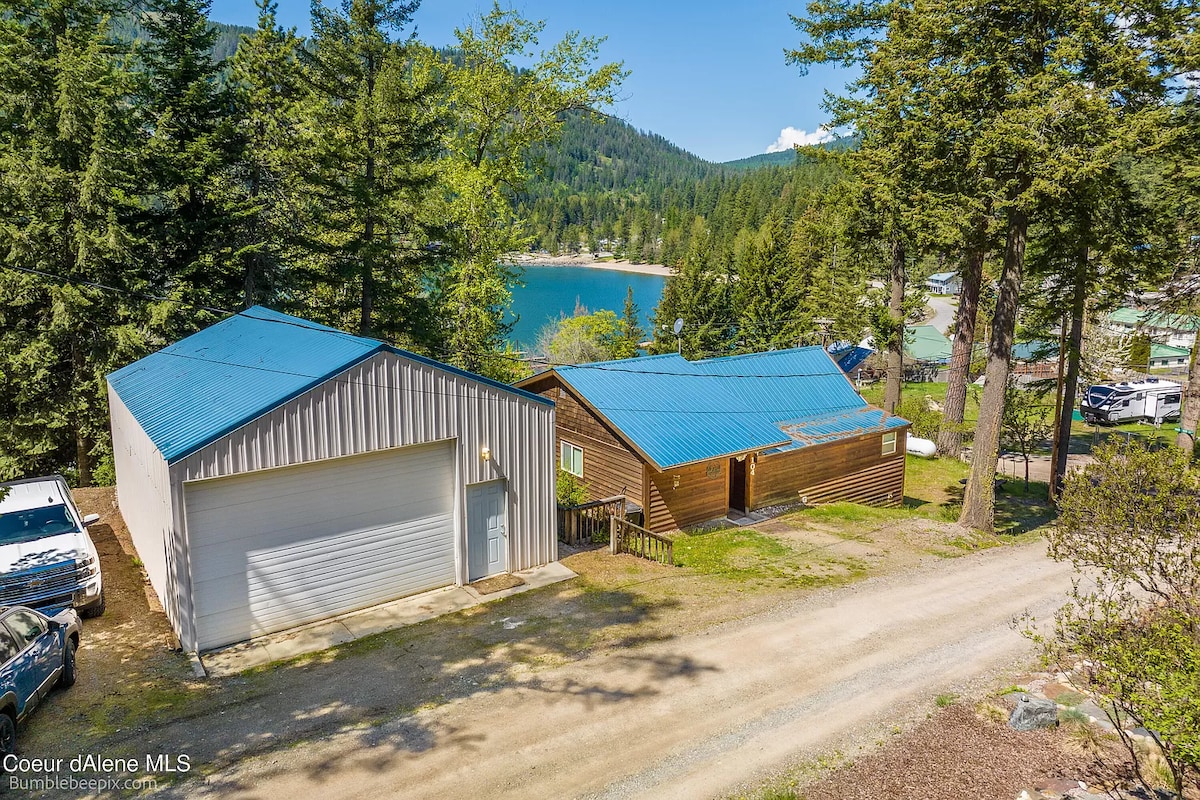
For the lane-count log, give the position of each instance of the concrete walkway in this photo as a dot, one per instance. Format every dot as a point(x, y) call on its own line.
point(322, 635)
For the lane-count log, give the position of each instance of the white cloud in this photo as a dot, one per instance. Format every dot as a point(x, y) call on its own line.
point(789, 137)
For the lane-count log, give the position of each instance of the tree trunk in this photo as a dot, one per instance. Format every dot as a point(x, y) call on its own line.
point(367, 254)
point(83, 442)
point(84, 463)
point(1190, 417)
point(367, 266)
point(979, 501)
point(252, 261)
point(895, 355)
point(950, 434)
point(1071, 381)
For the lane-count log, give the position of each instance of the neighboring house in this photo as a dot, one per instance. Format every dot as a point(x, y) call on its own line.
point(274, 472)
point(1164, 355)
point(927, 344)
point(1035, 360)
point(943, 283)
point(1176, 330)
point(688, 441)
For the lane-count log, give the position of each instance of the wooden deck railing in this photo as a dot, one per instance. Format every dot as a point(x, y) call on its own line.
point(589, 523)
point(625, 537)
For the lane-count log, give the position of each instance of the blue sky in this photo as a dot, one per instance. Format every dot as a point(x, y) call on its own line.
point(710, 76)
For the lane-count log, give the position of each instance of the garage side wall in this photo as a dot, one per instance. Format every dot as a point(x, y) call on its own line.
point(144, 497)
point(392, 401)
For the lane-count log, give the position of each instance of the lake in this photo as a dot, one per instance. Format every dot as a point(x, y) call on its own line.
point(550, 292)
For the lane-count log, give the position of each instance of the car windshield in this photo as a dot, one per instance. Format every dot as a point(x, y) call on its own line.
point(35, 523)
point(1098, 394)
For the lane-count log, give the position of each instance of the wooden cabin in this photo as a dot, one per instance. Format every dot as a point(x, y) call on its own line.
point(693, 441)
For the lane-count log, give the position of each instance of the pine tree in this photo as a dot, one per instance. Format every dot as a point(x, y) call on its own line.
point(699, 295)
point(267, 94)
point(763, 297)
point(65, 206)
point(184, 112)
point(373, 128)
point(1011, 92)
point(629, 342)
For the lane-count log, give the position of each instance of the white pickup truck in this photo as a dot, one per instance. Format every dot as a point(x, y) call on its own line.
point(47, 559)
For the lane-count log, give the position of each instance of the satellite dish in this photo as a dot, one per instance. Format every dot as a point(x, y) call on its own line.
point(678, 325)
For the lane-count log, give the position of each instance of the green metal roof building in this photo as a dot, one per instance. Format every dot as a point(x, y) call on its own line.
point(926, 343)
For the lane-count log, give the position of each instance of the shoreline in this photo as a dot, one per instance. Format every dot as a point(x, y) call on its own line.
point(529, 260)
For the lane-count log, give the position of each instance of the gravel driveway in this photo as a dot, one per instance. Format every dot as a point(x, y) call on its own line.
point(694, 716)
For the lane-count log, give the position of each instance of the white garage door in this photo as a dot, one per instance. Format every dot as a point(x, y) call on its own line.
point(278, 548)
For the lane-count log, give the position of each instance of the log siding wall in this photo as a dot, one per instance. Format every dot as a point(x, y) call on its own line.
point(850, 469)
point(702, 494)
point(610, 468)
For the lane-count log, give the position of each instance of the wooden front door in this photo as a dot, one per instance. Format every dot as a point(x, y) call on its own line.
point(737, 484)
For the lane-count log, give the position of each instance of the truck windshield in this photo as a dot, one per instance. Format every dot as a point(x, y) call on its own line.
point(36, 523)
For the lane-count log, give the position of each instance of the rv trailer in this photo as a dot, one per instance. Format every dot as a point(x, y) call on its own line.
point(1153, 400)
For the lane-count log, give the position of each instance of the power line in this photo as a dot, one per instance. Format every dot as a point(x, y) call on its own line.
point(118, 290)
point(431, 392)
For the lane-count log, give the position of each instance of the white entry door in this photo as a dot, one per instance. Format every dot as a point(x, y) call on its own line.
point(278, 548)
point(487, 537)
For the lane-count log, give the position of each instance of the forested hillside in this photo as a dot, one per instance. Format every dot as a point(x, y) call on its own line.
point(128, 28)
point(780, 159)
point(150, 187)
point(606, 186)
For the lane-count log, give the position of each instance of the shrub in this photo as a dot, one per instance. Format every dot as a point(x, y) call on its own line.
point(925, 421)
point(1130, 523)
point(570, 490)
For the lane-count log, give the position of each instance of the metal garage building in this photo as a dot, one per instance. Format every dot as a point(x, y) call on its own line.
point(274, 472)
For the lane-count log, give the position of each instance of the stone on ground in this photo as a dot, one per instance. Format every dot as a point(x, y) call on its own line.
point(1031, 714)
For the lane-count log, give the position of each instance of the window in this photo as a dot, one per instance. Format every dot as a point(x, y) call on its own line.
point(572, 459)
point(26, 526)
point(25, 627)
point(889, 443)
point(8, 646)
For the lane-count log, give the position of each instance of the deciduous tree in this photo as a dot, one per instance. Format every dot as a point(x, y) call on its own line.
point(502, 108)
point(1130, 522)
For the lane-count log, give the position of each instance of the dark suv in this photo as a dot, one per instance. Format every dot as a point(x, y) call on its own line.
point(37, 653)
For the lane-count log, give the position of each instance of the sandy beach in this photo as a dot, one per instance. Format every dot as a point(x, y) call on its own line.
point(542, 260)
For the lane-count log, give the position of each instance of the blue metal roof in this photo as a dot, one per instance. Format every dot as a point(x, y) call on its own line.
point(838, 425)
point(677, 411)
point(849, 360)
point(195, 391)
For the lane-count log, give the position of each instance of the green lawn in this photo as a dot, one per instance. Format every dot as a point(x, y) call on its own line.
point(778, 556)
point(741, 554)
point(873, 394)
point(1083, 436)
point(933, 490)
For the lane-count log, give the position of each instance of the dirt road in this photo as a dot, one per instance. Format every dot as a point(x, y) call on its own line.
point(694, 716)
